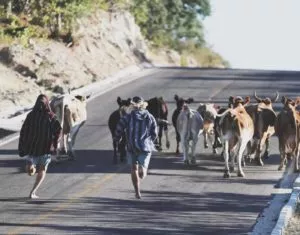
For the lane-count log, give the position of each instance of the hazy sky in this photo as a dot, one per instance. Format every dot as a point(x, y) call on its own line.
point(259, 34)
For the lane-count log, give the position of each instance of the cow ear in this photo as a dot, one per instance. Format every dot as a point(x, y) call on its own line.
point(88, 96)
point(247, 100)
point(79, 97)
point(283, 99)
point(231, 100)
point(216, 107)
point(119, 100)
point(190, 100)
point(176, 97)
point(129, 100)
point(297, 101)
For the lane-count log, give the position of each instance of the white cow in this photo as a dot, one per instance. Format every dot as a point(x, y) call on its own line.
point(189, 126)
point(72, 114)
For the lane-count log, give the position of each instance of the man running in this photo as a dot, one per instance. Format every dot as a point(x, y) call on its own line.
point(140, 128)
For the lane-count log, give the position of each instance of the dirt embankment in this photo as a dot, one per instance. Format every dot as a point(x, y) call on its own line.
point(102, 45)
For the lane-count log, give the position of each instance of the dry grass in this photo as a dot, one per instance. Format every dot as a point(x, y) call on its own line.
point(293, 227)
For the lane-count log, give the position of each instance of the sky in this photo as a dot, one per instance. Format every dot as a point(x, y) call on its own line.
point(256, 34)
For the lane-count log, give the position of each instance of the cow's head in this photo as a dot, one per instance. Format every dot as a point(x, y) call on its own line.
point(267, 102)
point(180, 102)
point(235, 101)
point(289, 103)
point(82, 98)
point(125, 106)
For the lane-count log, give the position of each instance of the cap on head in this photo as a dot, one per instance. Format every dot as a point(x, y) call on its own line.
point(139, 102)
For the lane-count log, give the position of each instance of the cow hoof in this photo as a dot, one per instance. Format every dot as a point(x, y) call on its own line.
point(266, 155)
point(215, 151)
point(168, 145)
point(241, 174)
point(226, 174)
point(259, 162)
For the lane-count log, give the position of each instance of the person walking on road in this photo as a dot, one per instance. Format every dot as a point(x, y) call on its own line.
point(140, 129)
point(38, 137)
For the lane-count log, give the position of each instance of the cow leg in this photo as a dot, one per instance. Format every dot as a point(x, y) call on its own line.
point(205, 139)
point(115, 157)
point(210, 137)
point(185, 150)
point(282, 155)
point(267, 147)
point(226, 158)
point(158, 142)
point(64, 148)
point(72, 139)
point(177, 141)
point(194, 143)
point(239, 158)
point(166, 131)
point(122, 149)
point(258, 153)
point(296, 165)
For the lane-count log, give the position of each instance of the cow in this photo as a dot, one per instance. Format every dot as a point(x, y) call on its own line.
point(159, 109)
point(71, 112)
point(124, 107)
point(287, 129)
point(180, 102)
point(189, 125)
point(236, 129)
point(263, 117)
point(209, 113)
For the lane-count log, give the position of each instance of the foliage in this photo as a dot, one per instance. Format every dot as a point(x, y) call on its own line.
point(166, 22)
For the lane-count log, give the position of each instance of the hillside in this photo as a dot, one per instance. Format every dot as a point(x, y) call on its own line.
point(102, 45)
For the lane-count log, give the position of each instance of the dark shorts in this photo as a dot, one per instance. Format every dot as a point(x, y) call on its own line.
point(142, 159)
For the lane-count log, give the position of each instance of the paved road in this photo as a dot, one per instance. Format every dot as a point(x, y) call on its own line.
point(93, 196)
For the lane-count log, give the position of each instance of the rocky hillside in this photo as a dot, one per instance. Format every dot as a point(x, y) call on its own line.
point(102, 45)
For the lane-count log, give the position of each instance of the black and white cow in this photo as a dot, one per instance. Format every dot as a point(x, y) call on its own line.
point(124, 107)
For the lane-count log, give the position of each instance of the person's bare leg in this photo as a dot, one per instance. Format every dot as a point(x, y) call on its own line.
point(142, 172)
point(135, 180)
point(38, 181)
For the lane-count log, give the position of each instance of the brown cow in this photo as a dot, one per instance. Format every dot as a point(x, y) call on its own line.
point(263, 117)
point(287, 129)
point(236, 128)
point(72, 114)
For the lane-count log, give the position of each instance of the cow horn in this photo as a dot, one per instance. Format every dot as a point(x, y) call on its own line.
point(256, 97)
point(276, 97)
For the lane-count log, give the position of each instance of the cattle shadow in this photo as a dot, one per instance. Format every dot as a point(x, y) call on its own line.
point(88, 161)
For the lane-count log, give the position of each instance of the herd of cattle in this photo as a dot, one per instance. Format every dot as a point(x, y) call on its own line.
point(241, 129)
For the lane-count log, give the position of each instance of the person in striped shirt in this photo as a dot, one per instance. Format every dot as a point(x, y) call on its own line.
point(38, 136)
point(140, 129)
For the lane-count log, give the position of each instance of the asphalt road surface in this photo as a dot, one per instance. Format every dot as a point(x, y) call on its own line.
point(93, 196)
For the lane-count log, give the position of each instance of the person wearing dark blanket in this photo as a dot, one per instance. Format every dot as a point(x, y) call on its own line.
point(39, 136)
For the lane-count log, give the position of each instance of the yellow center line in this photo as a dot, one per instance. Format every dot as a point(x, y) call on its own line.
point(66, 204)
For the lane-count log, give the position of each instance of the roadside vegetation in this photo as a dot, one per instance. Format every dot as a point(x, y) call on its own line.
point(170, 24)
